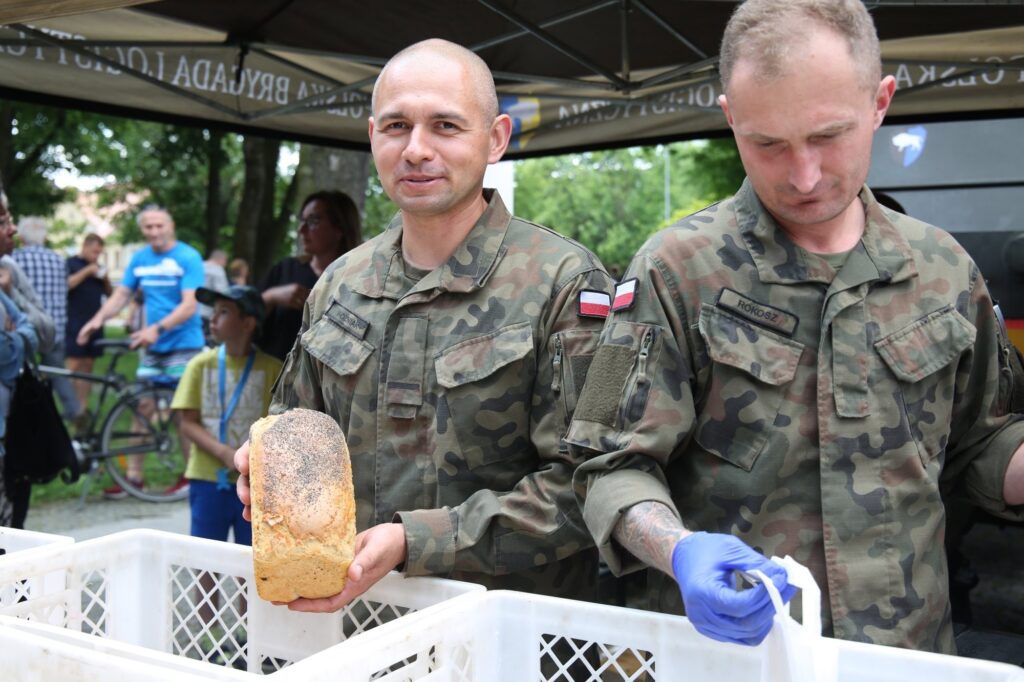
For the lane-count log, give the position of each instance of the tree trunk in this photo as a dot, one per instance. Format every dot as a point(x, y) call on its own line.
point(214, 203)
point(6, 141)
point(256, 212)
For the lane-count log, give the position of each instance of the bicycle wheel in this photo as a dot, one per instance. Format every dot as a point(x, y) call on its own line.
point(139, 435)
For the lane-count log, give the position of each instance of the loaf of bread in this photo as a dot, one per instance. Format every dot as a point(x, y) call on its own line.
point(303, 508)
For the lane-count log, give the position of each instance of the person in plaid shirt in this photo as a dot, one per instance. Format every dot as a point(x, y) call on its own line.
point(48, 274)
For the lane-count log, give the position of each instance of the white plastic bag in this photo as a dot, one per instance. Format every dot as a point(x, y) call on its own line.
point(793, 652)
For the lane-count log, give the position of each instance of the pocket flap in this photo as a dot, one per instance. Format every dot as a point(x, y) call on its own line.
point(929, 344)
point(334, 345)
point(474, 359)
point(761, 353)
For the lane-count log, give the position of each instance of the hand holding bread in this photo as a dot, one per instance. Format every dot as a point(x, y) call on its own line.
point(302, 505)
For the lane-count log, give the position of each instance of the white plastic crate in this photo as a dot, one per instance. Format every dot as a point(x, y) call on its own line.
point(180, 598)
point(16, 540)
point(505, 636)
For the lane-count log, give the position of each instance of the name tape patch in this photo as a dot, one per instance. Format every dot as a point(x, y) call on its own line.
point(593, 304)
point(759, 313)
point(346, 319)
point(625, 294)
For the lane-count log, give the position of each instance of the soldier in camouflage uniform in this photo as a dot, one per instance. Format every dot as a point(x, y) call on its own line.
point(798, 367)
point(451, 349)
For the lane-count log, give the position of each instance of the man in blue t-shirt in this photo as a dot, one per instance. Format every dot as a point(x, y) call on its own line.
point(168, 272)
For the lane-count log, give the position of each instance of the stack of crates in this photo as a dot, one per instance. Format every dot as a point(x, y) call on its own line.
point(145, 600)
point(145, 606)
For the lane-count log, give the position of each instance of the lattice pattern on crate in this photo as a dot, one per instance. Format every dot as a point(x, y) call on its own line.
point(208, 616)
point(26, 599)
point(462, 663)
point(579, 660)
point(271, 664)
point(416, 666)
point(93, 612)
point(363, 615)
point(14, 593)
point(360, 616)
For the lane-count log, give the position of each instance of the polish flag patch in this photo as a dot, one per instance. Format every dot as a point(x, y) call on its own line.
point(625, 295)
point(593, 304)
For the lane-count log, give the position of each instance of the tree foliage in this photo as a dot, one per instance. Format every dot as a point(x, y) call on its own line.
point(611, 201)
point(228, 192)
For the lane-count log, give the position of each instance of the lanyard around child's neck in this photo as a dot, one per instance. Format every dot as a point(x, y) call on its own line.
point(227, 411)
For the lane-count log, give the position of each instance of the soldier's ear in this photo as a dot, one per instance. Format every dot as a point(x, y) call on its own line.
point(724, 103)
point(883, 98)
point(501, 133)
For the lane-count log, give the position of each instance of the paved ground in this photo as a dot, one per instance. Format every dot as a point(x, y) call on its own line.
point(101, 517)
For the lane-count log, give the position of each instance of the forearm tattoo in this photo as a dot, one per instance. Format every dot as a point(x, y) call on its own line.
point(650, 531)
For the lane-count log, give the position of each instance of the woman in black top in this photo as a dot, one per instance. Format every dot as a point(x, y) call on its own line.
point(328, 227)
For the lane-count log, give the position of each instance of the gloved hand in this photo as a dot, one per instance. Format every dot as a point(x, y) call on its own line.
point(703, 564)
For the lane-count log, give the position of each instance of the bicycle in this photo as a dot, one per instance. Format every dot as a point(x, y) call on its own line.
point(133, 418)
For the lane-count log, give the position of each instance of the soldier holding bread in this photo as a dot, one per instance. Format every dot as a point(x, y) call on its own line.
point(451, 349)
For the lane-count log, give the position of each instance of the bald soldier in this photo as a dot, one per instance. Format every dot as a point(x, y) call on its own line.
point(797, 370)
point(450, 350)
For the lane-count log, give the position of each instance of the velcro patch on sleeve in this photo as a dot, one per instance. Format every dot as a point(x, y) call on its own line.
point(758, 313)
point(606, 382)
point(625, 294)
point(593, 304)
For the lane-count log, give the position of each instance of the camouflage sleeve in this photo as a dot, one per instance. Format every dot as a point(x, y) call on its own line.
point(298, 384)
point(983, 433)
point(635, 410)
point(536, 521)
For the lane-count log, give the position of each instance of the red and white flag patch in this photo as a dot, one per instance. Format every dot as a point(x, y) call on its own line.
point(593, 304)
point(625, 295)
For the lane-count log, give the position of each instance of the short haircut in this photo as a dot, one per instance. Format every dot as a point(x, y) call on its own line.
point(238, 267)
point(479, 72)
point(92, 238)
point(153, 208)
point(32, 230)
point(768, 32)
point(342, 212)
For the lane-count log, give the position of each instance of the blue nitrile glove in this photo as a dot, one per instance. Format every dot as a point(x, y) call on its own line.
point(704, 565)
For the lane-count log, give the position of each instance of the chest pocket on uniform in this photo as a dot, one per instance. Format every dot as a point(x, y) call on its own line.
point(488, 390)
point(922, 356)
point(336, 340)
point(751, 367)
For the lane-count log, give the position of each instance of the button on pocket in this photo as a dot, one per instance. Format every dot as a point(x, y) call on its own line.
point(922, 355)
point(751, 367)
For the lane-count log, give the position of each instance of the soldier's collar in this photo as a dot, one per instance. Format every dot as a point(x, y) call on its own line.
point(779, 259)
point(465, 270)
point(885, 244)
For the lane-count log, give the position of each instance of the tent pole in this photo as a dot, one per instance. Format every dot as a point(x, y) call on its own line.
point(558, 45)
point(546, 23)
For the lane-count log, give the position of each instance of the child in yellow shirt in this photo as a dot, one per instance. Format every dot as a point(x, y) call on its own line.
point(222, 392)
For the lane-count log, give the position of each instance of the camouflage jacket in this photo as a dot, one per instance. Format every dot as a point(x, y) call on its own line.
point(757, 392)
point(456, 395)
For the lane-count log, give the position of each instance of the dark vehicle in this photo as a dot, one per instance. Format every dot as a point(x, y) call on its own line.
point(967, 177)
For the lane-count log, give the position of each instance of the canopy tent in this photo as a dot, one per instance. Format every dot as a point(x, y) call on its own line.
point(573, 74)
